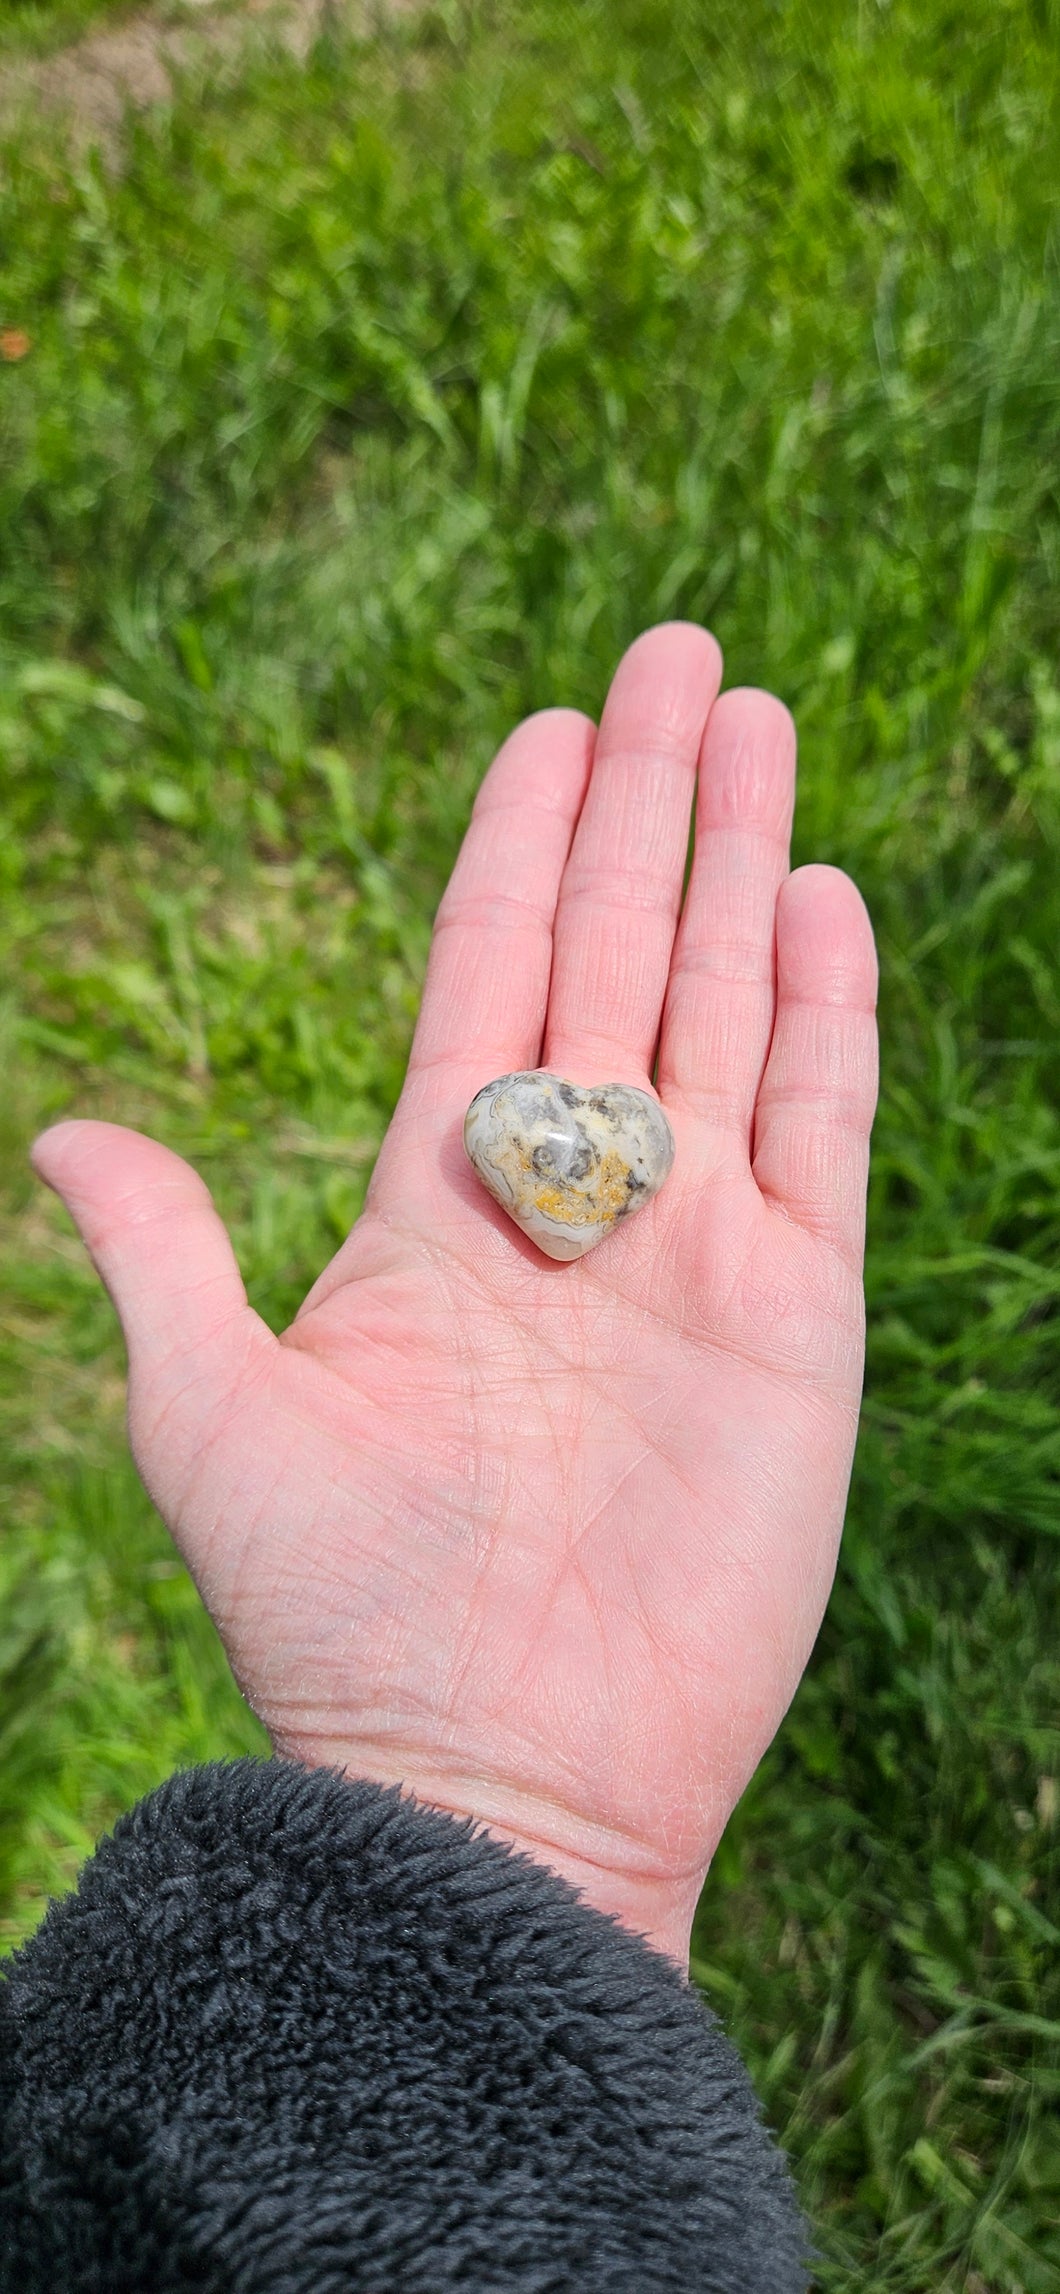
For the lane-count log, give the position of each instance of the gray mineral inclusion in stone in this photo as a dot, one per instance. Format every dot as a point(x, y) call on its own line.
point(567, 1163)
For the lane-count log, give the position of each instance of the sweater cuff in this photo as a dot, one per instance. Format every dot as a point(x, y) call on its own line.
point(295, 2034)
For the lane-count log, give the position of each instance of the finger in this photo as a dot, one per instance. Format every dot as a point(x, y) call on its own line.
point(621, 890)
point(720, 1001)
point(152, 1232)
point(818, 1094)
point(484, 1001)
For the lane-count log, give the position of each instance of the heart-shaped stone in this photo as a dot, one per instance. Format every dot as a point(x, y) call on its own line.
point(566, 1163)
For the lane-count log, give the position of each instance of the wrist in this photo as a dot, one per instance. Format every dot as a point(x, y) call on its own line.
point(617, 1876)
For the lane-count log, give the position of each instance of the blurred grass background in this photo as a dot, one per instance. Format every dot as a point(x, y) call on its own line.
point(364, 409)
point(32, 27)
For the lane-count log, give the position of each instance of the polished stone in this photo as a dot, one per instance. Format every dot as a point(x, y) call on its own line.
point(567, 1163)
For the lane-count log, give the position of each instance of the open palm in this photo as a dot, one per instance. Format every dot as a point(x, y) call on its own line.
point(549, 1544)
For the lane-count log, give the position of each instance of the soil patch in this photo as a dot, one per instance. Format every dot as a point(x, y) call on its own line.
point(93, 84)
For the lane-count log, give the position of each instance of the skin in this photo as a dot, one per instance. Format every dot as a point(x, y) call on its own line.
point(549, 1544)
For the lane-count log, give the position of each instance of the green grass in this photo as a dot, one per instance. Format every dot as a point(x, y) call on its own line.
point(37, 27)
point(365, 411)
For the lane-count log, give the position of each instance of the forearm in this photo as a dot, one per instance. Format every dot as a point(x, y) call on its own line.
point(299, 2033)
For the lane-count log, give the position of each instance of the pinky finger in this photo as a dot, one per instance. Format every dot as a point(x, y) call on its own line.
point(818, 1093)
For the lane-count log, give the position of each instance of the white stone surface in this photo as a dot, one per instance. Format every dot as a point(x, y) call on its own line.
point(567, 1163)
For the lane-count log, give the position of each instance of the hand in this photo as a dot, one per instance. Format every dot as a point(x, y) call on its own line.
point(549, 1544)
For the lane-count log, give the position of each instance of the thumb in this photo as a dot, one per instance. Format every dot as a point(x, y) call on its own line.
point(151, 1229)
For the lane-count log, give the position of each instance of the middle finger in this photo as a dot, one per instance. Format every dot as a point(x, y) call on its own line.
point(621, 890)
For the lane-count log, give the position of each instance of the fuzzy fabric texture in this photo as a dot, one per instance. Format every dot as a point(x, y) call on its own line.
point(295, 2034)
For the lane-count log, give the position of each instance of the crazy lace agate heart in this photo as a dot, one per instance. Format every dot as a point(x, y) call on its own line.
point(565, 1163)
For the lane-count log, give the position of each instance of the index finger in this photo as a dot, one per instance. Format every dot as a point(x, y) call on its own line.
point(483, 1008)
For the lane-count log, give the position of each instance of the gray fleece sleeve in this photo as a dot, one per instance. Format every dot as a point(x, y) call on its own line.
point(295, 2034)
